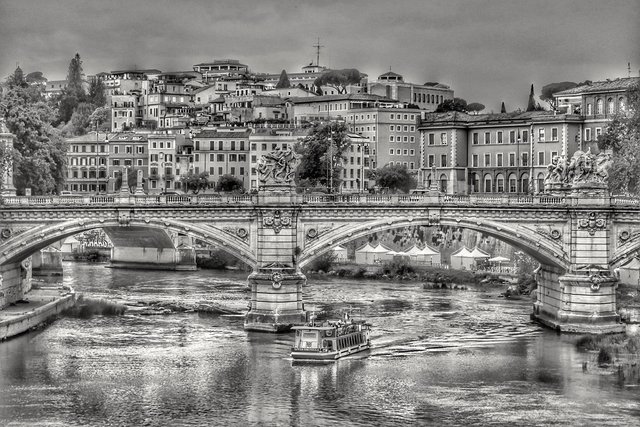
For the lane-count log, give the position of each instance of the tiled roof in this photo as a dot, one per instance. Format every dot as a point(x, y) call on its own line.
point(90, 137)
point(464, 118)
point(343, 97)
point(149, 71)
point(223, 134)
point(602, 86)
point(128, 137)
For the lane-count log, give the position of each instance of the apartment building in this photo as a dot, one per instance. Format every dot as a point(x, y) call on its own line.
point(87, 163)
point(426, 96)
point(127, 151)
point(222, 151)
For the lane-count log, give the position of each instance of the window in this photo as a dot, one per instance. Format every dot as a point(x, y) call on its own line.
point(499, 137)
point(233, 157)
point(554, 134)
point(587, 134)
point(512, 184)
point(220, 145)
point(391, 138)
point(525, 159)
point(116, 162)
point(598, 133)
point(512, 137)
point(541, 158)
point(432, 139)
point(392, 128)
point(499, 160)
point(487, 159)
point(431, 160)
point(487, 138)
point(391, 153)
point(443, 138)
point(116, 150)
point(220, 158)
point(220, 171)
point(140, 149)
point(611, 108)
point(541, 135)
point(525, 136)
point(474, 161)
point(405, 152)
point(443, 160)
point(589, 109)
point(411, 153)
point(599, 106)
point(512, 159)
point(500, 184)
point(475, 138)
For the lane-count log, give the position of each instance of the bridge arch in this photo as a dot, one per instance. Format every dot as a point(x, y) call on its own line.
point(21, 246)
point(629, 249)
point(537, 246)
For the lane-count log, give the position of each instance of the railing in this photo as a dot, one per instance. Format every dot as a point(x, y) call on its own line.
point(498, 200)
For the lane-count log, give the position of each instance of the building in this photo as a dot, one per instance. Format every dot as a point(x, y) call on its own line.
point(88, 163)
point(597, 103)
point(222, 151)
point(355, 165)
point(166, 101)
point(219, 68)
point(163, 161)
point(128, 151)
point(494, 153)
point(125, 82)
point(124, 110)
point(426, 97)
point(54, 88)
point(306, 80)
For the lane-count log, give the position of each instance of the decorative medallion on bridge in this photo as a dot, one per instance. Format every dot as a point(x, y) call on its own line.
point(592, 224)
point(277, 220)
point(242, 233)
point(5, 233)
point(596, 280)
point(276, 280)
point(623, 236)
point(124, 218)
point(312, 233)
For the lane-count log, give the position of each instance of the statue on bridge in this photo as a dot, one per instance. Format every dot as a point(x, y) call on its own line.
point(278, 167)
point(585, 169)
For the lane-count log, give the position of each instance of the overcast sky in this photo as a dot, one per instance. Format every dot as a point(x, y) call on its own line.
point(486, 50)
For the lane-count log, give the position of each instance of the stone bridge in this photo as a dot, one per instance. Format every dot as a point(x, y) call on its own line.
point(578, 238)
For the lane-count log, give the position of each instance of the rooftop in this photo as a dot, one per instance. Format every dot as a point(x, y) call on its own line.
point(620, 84)
point(342, 97)
point(223, 133)
point(516, 116)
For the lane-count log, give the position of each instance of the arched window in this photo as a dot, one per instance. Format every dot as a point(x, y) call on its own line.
point(611, 107)
point(475, 183)
point(599, 106)
point(540, 182)
point(488, 184)
point(513, 184)
point(524, 183)
point(621, 105)
point(500, 183)
point(589, 109)
point(443, 183)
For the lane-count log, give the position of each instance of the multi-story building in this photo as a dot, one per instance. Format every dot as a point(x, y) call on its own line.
point(426, 96)
point(128, 151)
point(306, 79)
point(355, 165)
point(166, 101)
point(219, 68)
point(87, 163)
point(494, 153)
point(124, 82)
point(124, 109)
point(597, 103)
point(163, 161)
point(222, 151)
point(54, 88)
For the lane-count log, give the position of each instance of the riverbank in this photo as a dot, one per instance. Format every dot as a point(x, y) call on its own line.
point(37, 309)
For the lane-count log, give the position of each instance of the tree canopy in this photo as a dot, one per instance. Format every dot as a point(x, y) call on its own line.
point(35, 77)
point(17, 78)
point(229, 183)
point(195, 182)
point(622, 137)
point(395, 178)
point(475, 107)
point(40, 152)
point(322, 152)
point(548, 90)
point(455, 104)
point(283, 82)
point(75, 78)
point(97, 93)
point(338, 79)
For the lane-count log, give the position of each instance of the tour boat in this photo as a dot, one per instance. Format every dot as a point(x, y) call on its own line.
point(330, 340)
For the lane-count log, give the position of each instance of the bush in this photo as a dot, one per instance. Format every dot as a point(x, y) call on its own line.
point(605, 356)
point(398, 267)
point(324, 262)
point(85, 308)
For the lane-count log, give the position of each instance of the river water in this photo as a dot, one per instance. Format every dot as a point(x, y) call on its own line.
point(440, 358)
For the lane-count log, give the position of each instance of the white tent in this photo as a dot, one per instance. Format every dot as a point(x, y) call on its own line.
point(70, 244)
point(340, 253)
point(499, 259)
point(462, 259)
point(478, 253)
point(630, 272)
point(430, 255)
point(364, 255)
point(381, 254)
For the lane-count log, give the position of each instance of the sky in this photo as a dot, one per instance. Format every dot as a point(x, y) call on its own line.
point(488, 51)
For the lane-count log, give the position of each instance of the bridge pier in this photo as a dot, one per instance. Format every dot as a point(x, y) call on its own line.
point(15, 281)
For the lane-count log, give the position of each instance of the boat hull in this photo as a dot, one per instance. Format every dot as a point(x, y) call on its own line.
point(326, 356)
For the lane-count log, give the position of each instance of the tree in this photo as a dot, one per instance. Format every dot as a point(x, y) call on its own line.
point(96, 93)
point(6, 161)
point(622, 137)
point(75, 79)
point(229, 183)
point(548, 90)
point(503, 109)
point(66, 106)
point(475, 107)
point(531, 104)
point(395, 178)
point(35, 77)
point(132, 179)
point(16, 79)
point(100, 119)
point(322, 153)
point(338, 79)
point(455, 104)
point(195, 182)
point(283, 82)
point(40, 151)
point(80, 121)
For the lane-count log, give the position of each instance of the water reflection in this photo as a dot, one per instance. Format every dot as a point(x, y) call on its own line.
point(440, 357)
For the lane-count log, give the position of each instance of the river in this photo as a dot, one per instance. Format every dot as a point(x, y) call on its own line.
point(441, 357)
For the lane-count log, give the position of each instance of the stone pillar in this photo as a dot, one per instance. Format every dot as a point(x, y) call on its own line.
point(276, 284)
point(15, 281)
point(6, 171)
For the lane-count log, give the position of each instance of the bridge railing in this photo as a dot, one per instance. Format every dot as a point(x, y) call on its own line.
point(625, 201)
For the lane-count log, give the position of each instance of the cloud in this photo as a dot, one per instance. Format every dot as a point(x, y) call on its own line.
point(488, 51)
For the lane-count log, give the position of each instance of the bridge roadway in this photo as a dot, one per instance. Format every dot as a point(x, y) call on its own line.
point(577, 239)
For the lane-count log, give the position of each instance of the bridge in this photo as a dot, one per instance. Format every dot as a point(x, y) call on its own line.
point(578, 238)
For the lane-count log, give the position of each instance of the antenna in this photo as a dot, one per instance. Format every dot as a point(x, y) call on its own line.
point(318, 46)
point(629, 69)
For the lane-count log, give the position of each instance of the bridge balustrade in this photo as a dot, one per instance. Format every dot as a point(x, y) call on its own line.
point(625, 201)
